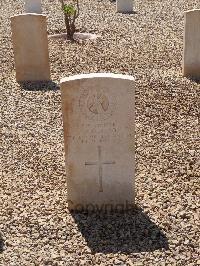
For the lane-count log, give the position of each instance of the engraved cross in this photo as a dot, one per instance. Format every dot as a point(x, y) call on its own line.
point(100, 164)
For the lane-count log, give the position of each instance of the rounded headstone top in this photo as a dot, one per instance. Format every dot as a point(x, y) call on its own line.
point(97, 75)
point(29, 14)
point(192, 11)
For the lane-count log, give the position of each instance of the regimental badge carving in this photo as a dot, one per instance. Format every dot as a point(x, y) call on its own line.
point(96, 104)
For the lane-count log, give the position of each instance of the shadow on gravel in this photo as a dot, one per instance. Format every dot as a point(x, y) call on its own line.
point(1, 243)
point(39, 86)
point(129, 13)
point(196, 80)
point(129, 232)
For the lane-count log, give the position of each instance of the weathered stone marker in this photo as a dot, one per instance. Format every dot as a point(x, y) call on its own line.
point(33, 6)
point(125, 6)
point(30, 44)
point(191, 56)
point(98, 119)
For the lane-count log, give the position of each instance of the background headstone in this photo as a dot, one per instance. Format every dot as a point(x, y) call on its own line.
point(98, 113)
point(191, 56)
point(30, 44)
point(124, 6)
point(33, 6)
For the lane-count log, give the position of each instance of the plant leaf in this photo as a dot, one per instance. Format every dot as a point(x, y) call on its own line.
point(69, 10)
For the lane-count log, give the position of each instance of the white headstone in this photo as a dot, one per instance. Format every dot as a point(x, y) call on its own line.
point(191, 57)
point(125, 6)
point(98, 118)
point(30, 45)
point(33, 6)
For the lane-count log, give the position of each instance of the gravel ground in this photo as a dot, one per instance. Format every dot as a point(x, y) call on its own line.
point(36, 227)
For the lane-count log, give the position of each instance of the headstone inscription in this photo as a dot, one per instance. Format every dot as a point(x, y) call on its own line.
point(191, 54)
point(124, 6)
point(30, 44)
point(33, 6)
point(98, 119)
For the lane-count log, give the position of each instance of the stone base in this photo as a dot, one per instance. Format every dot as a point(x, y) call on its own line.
point(78, 36)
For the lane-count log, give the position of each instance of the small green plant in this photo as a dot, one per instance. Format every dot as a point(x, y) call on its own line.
point(71, 13)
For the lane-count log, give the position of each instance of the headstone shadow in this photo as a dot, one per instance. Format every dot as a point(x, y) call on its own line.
point(128, 13)
point(193, 79)
point(128, 232)
point(39, 86)
point(1, 243)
